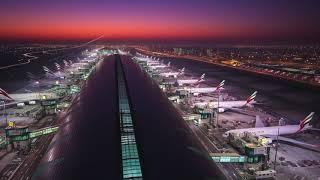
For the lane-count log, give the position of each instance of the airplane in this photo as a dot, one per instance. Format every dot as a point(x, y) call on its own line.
point(174, 74)
point(57, 66)
point(31, 76)
point(152, 63)
point(143, 59)
point(158, 66)
point(65, 63)
point(22, 97)
point(274, 130)
point(48, 71)
point(191, 81)
point(225, 105)
point(51, 74)
point(200, 90)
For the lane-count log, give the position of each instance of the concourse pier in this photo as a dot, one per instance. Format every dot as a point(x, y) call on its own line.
point(121, 126)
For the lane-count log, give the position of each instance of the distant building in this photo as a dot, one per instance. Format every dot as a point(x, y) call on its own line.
point(177, 51)
point(18, 136)
point(256, 150)
point(317, 76)
point(210, 52)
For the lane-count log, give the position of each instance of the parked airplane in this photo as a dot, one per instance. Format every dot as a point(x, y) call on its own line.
point(157, 66)
point(57, 66)
point(172, 73)
point(201, 90)
point(274, 130)
point(51, 74)
point(66, 64)
point(143, 59)
point(190, 81)
point(31, 76)
point(225, 105)
point(23, 97)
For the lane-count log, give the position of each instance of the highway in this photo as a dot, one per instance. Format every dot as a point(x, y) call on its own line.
point(31, 57)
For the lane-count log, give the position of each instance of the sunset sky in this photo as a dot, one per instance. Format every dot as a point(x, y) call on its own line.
point(161, 19)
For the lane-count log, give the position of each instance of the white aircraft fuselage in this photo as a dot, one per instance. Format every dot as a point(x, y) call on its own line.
point(283, 130)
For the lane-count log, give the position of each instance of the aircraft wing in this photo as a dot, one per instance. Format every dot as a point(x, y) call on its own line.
point(258, 122)
point(240, 111)
point(294, 142)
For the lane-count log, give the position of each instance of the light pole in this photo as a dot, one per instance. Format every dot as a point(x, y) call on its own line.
point(275, 157)
point(38, 84)
point(217, 119)
point(5, 112)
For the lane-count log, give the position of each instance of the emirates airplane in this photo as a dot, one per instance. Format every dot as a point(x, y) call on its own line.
point(225, 105)
point(273, 131)
point(23, 97)
point(202, 90)
point(159, 65)
point(172, 73)
point(190, 81)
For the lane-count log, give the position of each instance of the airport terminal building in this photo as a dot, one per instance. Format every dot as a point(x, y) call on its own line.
point(121, 126)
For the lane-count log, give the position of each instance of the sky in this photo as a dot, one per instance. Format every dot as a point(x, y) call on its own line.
point(160, 19)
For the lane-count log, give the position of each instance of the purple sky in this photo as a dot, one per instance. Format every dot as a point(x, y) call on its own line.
point(162, 19)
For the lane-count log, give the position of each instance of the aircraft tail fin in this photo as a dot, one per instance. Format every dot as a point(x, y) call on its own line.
point(250, 99)
point(202, 76)
point(46, 69)
point(65, 63)
point(201, 79)
point(57, 66)
point(182, 71)
point(4, 93)
point(220, 86)
point(305, 121)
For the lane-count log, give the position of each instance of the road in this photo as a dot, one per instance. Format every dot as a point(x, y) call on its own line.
point(253, 70)
point(31, 57)
point(30, 163)
point(230, 170)
point(32, 160)
point(25, 169)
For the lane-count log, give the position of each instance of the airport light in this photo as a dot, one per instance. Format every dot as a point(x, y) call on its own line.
point(44, 97)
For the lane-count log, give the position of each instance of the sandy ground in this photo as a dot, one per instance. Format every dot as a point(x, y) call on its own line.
point(5, 160)
point(19, 120)
point(296, 155)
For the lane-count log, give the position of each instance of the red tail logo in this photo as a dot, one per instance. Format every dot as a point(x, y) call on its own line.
point(4, 93)
point(305, 121)
point(220, 86)
point(251, 98)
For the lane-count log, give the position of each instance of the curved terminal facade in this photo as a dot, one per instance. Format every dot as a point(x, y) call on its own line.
point(121, 126)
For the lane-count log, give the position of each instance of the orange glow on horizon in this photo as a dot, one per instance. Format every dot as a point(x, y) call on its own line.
point(112, 29)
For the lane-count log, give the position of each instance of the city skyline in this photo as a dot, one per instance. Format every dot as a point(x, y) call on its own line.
point(200, 20)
